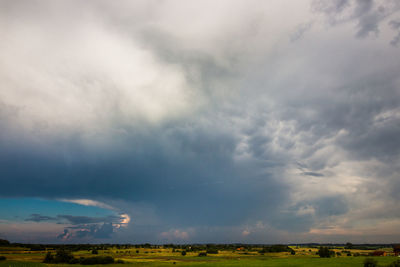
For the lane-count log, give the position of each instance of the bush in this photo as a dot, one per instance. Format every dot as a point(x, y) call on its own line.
point(74, 261)
point(2, 258)
point(119, 261)
point(324, 252)
point(212, 251)
point(202, 254)
point(63, 256)
point(369, 262)
point(183, 253)
point(293, 252)
point(94, 251)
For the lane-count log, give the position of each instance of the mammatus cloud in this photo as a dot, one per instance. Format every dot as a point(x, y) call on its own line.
point(204, 123)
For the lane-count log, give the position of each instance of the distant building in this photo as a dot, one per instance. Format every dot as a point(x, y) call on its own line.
point(379, 253)
point(396, 250)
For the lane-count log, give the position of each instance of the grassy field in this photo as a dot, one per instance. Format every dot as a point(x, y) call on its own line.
point(166, 257)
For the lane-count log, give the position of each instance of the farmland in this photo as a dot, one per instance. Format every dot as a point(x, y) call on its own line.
point(19, 256)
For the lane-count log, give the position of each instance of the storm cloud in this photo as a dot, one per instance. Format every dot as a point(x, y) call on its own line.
point(201, 122)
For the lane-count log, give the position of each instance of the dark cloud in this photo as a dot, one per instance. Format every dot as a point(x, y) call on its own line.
point(97, 231)
point(86, 220)
point(331, 206)
point(315, 174)
point(39, 218)
point(73, 219)
point(83, 226)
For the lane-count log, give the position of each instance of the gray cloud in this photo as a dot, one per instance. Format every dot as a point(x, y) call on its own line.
point(300, 31)
point(64, 235)
point(75, 220)
point(87, 220)
point(39, 218)
point(368, 14)
point(396, 26)
point(316, 174)
point(83, 226)
point(97, 231)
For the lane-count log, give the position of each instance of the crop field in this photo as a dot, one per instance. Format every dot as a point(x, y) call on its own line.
point(17, 257)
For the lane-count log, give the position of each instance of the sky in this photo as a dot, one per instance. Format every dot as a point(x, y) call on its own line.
point(167, 121)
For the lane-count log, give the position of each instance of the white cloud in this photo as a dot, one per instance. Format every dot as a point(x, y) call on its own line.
point(175, 235)
point(89, 202)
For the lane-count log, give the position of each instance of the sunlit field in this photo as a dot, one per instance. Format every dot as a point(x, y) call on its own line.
point(160, 256)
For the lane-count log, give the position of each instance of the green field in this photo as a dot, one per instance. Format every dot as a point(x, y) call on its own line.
point(168, 257)
point(353, 261)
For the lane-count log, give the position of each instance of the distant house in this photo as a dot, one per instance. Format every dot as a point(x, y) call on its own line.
point(379, 253)
point(396, 250)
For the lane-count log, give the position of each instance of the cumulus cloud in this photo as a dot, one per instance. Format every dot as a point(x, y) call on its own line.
point(175, 235)
point(198, 116)
point(64, 235)
point(84, 226)
point(97, 231)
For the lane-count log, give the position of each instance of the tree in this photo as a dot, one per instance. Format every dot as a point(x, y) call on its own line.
point(4, 242)
point(95, 251)
point(183, 253)
point(348, 245)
